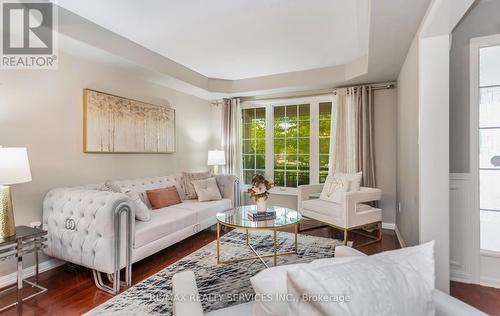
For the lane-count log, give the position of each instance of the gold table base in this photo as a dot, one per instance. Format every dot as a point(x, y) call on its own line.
point(275, 253)
point(7, 226)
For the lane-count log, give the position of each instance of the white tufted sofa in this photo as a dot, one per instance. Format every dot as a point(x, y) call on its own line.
point(81, 223)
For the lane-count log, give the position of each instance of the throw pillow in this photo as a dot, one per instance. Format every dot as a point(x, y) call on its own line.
point(160, 198)
point(110, 186)
point(334, 190)
point(397, 282)
point(353, 178)
point(187, 177)
point(207, 190)
point(141, 209)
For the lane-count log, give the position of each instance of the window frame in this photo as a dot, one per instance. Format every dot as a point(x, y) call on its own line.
point(243, 154)
point(269, 105)
point(477, 254)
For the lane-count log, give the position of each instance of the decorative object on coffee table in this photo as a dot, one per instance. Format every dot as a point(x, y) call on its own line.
point(216, 158)
point(238, 218)
point(260, 192)
point(14, 169)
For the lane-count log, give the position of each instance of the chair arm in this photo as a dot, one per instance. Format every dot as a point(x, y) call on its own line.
point(344, 251)
point(303, 192)
point(364, 195)
point(185, 295)
point(229, 186)
point(80, 225)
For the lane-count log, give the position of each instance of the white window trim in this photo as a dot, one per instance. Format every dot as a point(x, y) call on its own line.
point(269, 104)
point(475, 45)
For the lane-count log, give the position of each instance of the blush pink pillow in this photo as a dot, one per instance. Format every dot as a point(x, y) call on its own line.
point(163, 197)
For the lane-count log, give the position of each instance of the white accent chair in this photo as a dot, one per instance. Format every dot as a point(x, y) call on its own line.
point(347, 216)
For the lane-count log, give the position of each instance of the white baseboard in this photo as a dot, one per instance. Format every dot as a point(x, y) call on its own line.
point(460, 276)
point(11, 278)
point(491, 282)
point(390, 226)
point(400, 238)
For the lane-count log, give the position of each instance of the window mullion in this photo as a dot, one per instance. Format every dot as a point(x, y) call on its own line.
point(314, 143)
point(269, 142)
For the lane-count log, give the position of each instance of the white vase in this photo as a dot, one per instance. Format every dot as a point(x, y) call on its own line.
point(261, 205)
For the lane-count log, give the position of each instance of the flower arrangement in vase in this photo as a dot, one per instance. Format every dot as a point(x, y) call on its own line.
point(260, 192)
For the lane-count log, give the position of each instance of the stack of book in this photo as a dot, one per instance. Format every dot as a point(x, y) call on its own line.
point(261, 216)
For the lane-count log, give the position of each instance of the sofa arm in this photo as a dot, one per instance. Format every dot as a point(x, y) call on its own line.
point(80, 225)
point(344, 251)
point(229, 187)
point(304, 191)
point(447, 305)
point(185, 295)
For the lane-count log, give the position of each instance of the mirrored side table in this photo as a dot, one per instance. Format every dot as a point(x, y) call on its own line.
point(26, 240)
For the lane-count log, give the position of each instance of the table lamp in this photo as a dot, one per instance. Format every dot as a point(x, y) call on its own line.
point(14, 168)
point(216, 158)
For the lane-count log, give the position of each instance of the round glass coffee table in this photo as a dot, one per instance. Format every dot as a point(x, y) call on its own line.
point(238, 218)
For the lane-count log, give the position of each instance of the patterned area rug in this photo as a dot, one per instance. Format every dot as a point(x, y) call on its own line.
point(218, 285)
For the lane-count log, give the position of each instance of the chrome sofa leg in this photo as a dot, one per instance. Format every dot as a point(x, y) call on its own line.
point(100, 284)
point(114, 277)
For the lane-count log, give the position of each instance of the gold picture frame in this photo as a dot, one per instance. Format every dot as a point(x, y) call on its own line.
point(114, 124)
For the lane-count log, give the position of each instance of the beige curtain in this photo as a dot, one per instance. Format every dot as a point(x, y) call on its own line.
point(365, 154)
point(351, 148)
point(230, 138)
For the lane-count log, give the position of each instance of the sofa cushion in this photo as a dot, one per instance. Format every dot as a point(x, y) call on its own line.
point(329, 208)
point(323, 207)
point(207, 209)
point(164, 221)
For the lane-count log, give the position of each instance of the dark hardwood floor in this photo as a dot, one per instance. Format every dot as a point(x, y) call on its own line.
point(72, 290)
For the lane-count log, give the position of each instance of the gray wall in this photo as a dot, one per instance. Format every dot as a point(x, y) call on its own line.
point(407, 216)
point(42, 110)
point(385, 150)
point(482, 20)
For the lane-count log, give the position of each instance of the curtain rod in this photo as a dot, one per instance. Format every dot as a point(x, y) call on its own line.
point(378, 86)
point(329, 91)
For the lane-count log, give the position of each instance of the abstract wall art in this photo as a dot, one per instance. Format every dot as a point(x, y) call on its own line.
point(114, 124)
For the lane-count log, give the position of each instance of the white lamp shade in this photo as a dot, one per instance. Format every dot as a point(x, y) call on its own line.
point(216, 158)
point(14, 166)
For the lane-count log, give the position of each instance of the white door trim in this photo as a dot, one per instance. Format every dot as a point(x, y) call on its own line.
point(475, 44)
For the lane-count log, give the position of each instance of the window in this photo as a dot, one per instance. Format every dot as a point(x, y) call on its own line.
point(253, 142)
point(287, 140)
point(291, 145)
point(325, 113)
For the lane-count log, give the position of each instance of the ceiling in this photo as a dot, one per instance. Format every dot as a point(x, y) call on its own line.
point(238, 39)
point(235, 48)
